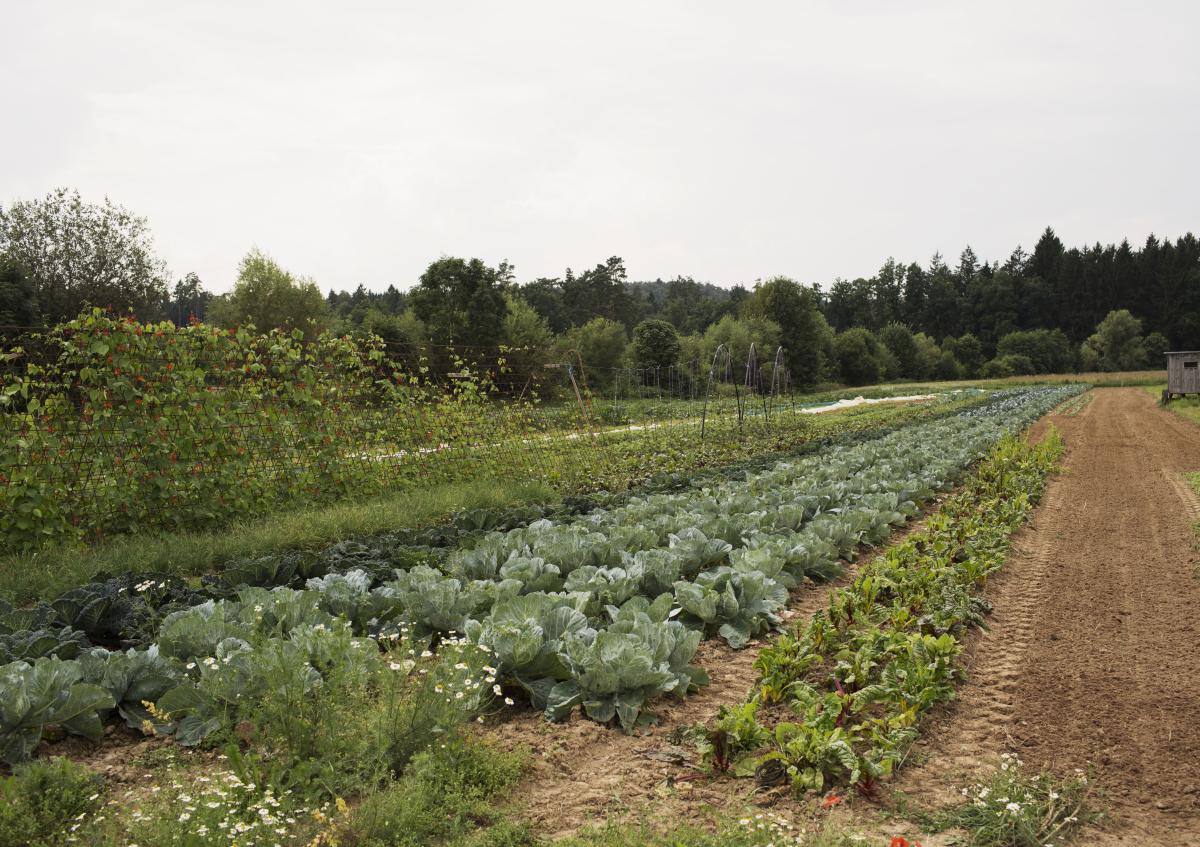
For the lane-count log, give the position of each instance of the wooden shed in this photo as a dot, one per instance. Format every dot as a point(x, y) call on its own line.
point(1183, 373)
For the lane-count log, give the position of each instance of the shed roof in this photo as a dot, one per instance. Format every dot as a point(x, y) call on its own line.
point(1183, 352)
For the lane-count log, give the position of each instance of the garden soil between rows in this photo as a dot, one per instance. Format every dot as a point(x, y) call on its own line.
point(1090, 661)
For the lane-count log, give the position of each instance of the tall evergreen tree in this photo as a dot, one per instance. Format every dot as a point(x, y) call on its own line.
point(599, 292)
point(1046, 255)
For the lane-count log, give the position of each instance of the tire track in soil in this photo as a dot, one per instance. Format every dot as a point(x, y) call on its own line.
point(999, 671)
point(1090, 659)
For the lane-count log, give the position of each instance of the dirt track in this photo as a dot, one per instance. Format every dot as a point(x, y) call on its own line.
point(1091, 660)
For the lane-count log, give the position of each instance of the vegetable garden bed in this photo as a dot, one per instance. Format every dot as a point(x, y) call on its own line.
point(601, 610)
point(840, 698)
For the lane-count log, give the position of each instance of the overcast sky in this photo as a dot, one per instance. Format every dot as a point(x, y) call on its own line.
point(356, 142)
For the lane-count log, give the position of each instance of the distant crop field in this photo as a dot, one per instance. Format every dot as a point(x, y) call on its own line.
point(1099, 379)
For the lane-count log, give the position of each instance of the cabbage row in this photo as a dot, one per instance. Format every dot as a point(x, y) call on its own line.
point(602, 611)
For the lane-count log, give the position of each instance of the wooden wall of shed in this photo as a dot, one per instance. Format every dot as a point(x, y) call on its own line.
point(1175, 375)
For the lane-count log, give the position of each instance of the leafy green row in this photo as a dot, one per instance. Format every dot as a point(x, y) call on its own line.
point(718, 559)
point(124, 610)
point(860, 674)
point(209, 665)
point(603, 610)
point(850, 431)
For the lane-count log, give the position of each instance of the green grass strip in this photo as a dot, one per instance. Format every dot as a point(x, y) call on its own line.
point(25, 577)
point(1187, 408)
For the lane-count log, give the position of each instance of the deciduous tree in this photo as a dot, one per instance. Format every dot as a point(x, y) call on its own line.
point(1117, 343)
point(804, 332)
point(78, 254)
point(655, 344)
point(462, 302)
point(18, 300)
point(270, 297)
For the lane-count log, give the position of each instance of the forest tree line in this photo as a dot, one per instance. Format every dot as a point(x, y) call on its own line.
point(1056, 309)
